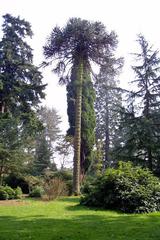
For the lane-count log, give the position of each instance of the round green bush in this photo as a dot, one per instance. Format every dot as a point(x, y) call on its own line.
point(10, 192)
point(37, 191)
point(3, 194)
point(129, 189)
point(18, 193)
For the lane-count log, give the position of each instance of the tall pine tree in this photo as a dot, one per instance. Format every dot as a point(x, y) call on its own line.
point(21, 90)
point(107, 106)
point(21, 82)
point(141, 121)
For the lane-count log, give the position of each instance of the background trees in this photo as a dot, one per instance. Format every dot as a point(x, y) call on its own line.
point(21, 82)
point(96, 111)
point(107, 107)
point(45, 141)
point(21, 90)
point(140, 122)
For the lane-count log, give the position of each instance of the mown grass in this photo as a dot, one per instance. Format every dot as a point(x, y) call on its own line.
point(64, 219)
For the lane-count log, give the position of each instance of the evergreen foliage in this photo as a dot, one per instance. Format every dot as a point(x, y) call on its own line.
point(16, 181)
point(21, 89)
point(12, 147)
point(18, 193)
point(140, 128)
point(107, 107)
point(129, 189)
point(36, 192)
point(7, 193)
point(21, 82)
point(87, 117)
point(45, 141)
point(42, 155)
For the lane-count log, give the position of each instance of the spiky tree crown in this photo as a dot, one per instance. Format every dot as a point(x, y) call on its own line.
point(79, 38)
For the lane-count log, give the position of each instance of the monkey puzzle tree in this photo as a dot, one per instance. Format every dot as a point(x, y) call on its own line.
point(73, 48)
point(87, 118)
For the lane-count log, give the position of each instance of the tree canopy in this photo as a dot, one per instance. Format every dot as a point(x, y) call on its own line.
point(21, 82)
point(79, 38)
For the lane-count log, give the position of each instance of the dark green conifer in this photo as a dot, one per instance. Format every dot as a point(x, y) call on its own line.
point(21, 82)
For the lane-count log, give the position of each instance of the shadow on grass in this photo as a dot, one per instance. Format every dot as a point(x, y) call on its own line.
point(78, 207)
point(81, 227)
point(70, 199)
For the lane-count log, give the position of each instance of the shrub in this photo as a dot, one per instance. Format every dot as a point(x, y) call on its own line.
point(15, 181)
point(18, 193)
point(36, 192)
point(9, 191)
point(54, 188)
point(33, 182)
point(67, 177)
point(129, 189)
point(3, 194)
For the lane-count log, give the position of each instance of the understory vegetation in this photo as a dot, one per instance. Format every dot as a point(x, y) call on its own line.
point(128, 189)
point(7, 192)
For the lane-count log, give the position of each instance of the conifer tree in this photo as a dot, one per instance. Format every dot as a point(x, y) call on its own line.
point(21, 90)
point(74, 47)
point(107, 106)
point(21, 82)
point(141, 120)
point(87, 118)
point(45, 141)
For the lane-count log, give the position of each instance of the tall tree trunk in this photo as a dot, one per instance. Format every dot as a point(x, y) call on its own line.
point(82, 163)
point(2, 107)
point(147, 115)
point(150, 164)
point(107, 140)
point(1, 174)
point(77, 137)
point(107, 159)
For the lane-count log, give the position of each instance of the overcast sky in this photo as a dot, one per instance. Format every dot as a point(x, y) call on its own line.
point(126, 17)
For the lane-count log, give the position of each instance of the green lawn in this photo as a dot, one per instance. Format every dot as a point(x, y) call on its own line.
point(65, 220)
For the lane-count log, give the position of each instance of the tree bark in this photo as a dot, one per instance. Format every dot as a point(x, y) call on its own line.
point(107, 140)
point(1, 174)
point(77, 137)
point(2, 107)
point(149, 153)
point(147, 115)
point(82, 164)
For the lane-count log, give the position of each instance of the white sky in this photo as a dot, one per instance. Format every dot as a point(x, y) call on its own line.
point(126, 17)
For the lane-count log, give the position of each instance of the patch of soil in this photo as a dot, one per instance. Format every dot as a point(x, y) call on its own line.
point(12, 202)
